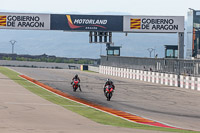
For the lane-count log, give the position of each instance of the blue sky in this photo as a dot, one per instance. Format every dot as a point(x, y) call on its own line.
point(115, 7)
point(133, 7)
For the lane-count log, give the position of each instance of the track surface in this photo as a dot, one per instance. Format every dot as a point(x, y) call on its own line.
point(24, 112)
point(175, 106)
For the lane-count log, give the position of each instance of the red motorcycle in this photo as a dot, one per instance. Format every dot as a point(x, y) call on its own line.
point(75, 85)
point(109, 92)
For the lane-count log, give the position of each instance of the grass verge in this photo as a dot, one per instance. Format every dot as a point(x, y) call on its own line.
point(83, 110)
point(89, 71)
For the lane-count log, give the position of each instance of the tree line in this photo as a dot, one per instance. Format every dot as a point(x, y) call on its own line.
point(51, 59)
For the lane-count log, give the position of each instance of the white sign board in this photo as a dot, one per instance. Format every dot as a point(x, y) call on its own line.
point(24, 21)
point(154, 24)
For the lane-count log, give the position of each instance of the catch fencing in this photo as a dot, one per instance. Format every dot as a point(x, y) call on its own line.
point(182, 81)
point(172, 72)
point(162, 65)
point(38, 64)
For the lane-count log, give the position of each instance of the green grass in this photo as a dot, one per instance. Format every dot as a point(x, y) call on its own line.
point(89, 71)
point(83, 110)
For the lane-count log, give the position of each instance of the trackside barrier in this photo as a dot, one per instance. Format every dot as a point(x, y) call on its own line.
point(187, 82)
point(33, 64)
point(93, 68)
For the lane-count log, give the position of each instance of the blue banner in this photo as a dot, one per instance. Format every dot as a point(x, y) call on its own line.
point(87, 23)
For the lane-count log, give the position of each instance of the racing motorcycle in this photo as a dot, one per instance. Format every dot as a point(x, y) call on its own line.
point(75, 85)
point(109, 92)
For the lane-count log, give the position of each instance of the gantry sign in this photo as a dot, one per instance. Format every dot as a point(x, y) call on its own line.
point(98, 25)
point(24, 21)
point(154, 24)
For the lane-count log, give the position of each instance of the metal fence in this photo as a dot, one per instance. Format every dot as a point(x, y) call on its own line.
point(38, 64)
point(174, 66)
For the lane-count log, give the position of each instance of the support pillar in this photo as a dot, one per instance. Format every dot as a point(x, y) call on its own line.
point(180, 45)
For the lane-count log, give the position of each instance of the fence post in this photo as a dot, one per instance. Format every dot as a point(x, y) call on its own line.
point(179, 73)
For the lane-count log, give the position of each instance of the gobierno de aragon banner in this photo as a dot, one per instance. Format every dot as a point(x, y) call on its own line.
point(154, 24)
point(25, 21)
point(86, 22)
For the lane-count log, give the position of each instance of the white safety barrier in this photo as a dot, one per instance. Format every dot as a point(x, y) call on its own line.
point(93, 68)
point(187, 82)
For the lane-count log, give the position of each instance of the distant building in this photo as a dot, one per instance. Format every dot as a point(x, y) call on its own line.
point(113, 50)
point(171, 51)
point(193, 34)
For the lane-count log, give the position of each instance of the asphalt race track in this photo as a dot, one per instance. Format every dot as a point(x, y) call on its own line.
point(171, 105)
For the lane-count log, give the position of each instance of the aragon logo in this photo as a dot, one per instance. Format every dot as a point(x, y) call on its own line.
point(71, 25)
point(2, 20)
point(135, 24)
point(85, 23)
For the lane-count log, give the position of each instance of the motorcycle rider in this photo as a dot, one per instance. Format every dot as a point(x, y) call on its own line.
point(109, 82)
point(76, 78)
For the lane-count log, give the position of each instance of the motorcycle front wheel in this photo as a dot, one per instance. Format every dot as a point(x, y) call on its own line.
point(74, 88)
point(109, 95)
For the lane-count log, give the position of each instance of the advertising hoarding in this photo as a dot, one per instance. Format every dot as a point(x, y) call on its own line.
point(111, 23)
point(86, 22)
point(154, 24)
point(25, 21)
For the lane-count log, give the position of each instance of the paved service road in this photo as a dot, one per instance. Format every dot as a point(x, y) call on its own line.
point(171, 105)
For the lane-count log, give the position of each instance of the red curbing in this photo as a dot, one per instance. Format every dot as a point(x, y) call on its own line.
point(124, 115)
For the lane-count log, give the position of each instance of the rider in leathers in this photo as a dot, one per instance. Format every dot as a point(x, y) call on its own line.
point(76, 78)
point(109, 82)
